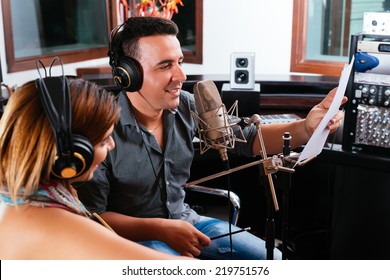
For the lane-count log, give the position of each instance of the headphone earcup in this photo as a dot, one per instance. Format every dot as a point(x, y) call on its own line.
point(128, 74)
point(72, 166)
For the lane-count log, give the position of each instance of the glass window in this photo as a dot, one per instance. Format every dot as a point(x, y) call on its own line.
point(57, 26)
point(190, 22)
point(74, 29)
point(322, 30)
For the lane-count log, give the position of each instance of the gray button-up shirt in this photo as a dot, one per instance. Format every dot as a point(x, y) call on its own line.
point(138, 178)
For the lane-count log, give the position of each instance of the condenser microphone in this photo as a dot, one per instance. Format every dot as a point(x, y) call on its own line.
point(214, 122)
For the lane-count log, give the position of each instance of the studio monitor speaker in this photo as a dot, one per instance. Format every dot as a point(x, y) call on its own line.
point(242, 70)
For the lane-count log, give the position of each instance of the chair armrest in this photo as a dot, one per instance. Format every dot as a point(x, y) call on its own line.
point(234, 198)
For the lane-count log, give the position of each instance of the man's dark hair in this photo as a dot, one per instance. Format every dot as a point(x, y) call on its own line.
point(137, 27)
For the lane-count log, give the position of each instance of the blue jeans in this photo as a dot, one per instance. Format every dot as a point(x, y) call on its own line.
point(245, 246)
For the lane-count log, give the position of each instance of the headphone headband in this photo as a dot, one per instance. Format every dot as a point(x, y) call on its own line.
point(57, 109)
point(74, 152)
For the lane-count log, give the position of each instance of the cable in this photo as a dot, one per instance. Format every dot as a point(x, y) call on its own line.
point(227, 167)
point(144, 144)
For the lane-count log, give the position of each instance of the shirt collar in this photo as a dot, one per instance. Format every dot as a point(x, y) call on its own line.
point(127, 114)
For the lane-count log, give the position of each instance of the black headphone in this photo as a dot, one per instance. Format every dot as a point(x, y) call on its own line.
point(74, 152)
point(127, 71)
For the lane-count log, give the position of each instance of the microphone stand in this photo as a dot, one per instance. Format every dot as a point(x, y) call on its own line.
point(285, 189)
point(270, 193)
point(269, 227)
point(269, 166)
point(289, 159)
point(285, 198)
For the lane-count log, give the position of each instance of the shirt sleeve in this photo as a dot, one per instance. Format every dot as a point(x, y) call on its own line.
point(245, 149)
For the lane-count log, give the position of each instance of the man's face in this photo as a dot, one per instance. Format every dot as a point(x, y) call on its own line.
point(161, 60)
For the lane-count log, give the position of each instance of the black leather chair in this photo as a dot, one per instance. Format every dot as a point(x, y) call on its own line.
point(214, 210)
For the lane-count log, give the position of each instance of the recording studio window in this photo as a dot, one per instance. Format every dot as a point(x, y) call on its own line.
point(322, 30)
point(189, 21)
point(76, 30)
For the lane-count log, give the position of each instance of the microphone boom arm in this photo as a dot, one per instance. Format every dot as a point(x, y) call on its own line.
point(271, 165)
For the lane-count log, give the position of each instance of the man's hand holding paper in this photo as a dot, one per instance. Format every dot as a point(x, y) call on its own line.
point(332, 103)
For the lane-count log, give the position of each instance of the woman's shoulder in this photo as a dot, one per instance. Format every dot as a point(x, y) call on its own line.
point(60, 234)
point(27, 228)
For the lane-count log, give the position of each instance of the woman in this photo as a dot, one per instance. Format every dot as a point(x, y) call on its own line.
point(41, 217)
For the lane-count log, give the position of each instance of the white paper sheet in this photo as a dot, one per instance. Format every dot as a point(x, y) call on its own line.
point(317, 141)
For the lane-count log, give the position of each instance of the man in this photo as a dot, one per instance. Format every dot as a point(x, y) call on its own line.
point(139, 188)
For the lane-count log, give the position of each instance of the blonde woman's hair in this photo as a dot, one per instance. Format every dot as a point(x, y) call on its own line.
point(27, 144)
